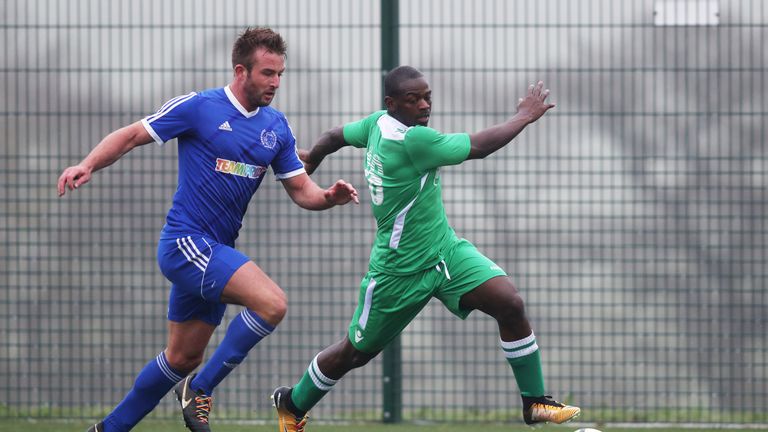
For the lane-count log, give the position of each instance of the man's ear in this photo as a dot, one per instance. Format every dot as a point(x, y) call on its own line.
point(241, 72)
point(389, 102)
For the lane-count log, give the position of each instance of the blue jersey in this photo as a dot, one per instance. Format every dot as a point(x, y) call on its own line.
point(224, 152)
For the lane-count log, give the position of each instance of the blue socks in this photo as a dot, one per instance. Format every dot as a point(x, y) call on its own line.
point(158, 378)
point(245, 331)
point(154, 381)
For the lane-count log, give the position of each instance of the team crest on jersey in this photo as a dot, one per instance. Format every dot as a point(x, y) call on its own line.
point(268, 139)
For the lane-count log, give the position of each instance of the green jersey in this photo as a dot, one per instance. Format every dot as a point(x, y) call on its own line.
point(402, 169)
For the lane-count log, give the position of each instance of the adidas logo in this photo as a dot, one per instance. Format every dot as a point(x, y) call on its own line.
point(225, 126)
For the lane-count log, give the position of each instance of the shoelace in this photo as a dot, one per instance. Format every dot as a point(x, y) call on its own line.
point(301, 423)
point(203, 407)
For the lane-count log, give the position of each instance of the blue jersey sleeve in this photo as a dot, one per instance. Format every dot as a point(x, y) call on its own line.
point(286, 163)
point(174, 118)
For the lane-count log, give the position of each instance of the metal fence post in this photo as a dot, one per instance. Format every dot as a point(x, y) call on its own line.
point(391, 356)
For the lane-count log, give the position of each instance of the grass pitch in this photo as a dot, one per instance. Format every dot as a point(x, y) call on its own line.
point(151, 425)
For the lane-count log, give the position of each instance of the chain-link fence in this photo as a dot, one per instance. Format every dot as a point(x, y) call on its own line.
point(632, 218)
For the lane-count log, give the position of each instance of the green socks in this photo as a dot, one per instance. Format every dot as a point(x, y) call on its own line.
point(524, 357)
point(311, 388)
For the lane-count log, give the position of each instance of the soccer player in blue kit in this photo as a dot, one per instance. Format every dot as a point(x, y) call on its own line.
point(227, 138)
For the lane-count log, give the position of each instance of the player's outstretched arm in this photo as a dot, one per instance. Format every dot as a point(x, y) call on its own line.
point(307, 194)
point(329, 142)
point(109, 150)
point(529, 109)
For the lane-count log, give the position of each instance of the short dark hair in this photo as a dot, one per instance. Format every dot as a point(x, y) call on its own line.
point(396, 76)
point(253, 38)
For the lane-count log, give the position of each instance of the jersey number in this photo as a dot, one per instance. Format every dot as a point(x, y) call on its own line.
point(373, 172)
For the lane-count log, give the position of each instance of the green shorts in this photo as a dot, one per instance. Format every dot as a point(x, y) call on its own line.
point(388, 303)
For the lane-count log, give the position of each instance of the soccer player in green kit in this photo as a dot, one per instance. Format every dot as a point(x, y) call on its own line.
point(416, 254)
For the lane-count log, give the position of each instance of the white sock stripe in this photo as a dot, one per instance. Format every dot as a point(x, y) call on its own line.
point(318, 383)
point(320, 374)
point(316, 375)
point(254, 325)
point(166, 369)
point(521, 353)
point(517, 343)
point(187, 256)
point(197, 251)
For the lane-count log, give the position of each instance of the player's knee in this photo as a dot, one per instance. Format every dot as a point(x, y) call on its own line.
point(276, 311)
point(515, 304)
point(510, 298)
point(507, 304)
point(345, 357)
point(271, 307)
point(360, 361)
point(510, 312)
point(184, 362)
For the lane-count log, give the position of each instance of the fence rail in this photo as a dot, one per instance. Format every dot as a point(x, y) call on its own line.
point(632, 218)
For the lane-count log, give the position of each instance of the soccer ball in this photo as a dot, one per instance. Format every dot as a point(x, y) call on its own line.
point(586, 430)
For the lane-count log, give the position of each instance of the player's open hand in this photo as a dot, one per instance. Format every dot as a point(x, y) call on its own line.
point(72, 178)
point(533, 105)
point(341, 193)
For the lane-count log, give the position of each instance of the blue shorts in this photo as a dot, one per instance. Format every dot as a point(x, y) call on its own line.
point(198, 268)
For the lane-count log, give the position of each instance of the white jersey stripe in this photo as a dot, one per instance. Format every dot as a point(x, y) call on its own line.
point(290, 174)
point(151, 131)
point(165, 105)
point(168, 107)
point(397, 229)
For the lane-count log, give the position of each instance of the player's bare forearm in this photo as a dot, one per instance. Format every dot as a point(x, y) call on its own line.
point(329, 142)
point(107, 152)
point(116, 145)
point(529, 109)
point(308, 195)
point(490, 140)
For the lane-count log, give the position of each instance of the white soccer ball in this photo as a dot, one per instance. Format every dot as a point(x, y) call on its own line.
point(586, 430)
